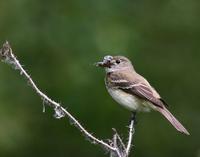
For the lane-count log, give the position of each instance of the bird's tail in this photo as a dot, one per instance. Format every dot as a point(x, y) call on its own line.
point(173, 120)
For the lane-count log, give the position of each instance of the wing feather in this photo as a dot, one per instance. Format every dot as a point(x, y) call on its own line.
point(142, 89)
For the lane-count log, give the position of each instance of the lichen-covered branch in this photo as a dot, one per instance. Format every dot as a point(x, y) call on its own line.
point(116, 148)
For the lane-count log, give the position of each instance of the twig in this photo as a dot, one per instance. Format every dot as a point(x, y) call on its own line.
point(7, 56)
point(119, 138)
point(131, 132)
point(114, 143)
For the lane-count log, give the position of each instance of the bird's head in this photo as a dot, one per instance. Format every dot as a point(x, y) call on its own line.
point(115, 63)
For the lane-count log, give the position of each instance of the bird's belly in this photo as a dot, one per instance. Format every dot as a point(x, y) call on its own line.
point(129, 101)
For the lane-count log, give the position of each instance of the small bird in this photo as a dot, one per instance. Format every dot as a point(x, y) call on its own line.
point(133, 91)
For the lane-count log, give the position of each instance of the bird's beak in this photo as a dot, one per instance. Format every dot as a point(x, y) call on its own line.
point(106, 62)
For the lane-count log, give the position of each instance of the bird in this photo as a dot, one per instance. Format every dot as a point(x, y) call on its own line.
point(133, 91)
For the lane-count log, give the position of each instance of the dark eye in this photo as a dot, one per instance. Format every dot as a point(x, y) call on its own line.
point(118, 61)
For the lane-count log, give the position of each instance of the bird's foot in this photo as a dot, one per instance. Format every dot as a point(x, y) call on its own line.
point(133, 117)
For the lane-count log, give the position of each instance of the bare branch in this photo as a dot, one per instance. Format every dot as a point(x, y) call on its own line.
point(115, 148)
point(8, 57)
point(119, 138)
point(131, 132)
point(114, 143)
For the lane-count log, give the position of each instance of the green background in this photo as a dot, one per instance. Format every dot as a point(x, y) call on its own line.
point(58, 42)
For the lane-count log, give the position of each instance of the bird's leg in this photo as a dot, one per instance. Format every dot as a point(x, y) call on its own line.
point(133, 117)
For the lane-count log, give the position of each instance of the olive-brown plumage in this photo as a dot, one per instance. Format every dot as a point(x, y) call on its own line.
point(133, 91)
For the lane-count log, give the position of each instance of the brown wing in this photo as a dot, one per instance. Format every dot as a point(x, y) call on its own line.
point(143, 92)
point(140, 88)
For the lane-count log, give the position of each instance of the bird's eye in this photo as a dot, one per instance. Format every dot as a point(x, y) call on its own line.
point(118, 61)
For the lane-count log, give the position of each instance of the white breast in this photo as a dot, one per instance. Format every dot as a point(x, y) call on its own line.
point(129, 101)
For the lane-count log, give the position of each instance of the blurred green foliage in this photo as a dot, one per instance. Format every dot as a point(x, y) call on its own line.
point(58, 42)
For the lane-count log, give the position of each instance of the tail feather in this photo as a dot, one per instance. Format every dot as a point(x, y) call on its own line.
point(173, 120)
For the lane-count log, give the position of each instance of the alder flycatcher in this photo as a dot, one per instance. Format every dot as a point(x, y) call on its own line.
point(133, 91)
